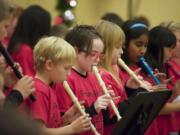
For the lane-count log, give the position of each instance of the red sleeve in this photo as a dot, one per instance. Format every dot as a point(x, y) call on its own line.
point(173, 70)
point(39, 108)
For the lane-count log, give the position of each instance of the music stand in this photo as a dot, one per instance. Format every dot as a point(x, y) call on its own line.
point(141, 111)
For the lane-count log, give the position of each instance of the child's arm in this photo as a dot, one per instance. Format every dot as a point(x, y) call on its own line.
point(80, 125)
point(170, 108)
point(22, 89)
point(176, 89)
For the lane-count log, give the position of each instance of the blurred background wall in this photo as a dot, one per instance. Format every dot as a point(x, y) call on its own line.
point(89, 11)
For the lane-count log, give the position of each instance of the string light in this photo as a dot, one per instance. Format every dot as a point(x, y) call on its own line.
point(73, 3)
point(68, 15)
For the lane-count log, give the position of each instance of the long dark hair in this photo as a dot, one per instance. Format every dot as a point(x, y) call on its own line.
point(159, 38)
point(32, 25)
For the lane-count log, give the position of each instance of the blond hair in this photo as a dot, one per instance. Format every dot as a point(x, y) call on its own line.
point(173, 26)
point(113, 37)
point(4, 9)
point(53, 48)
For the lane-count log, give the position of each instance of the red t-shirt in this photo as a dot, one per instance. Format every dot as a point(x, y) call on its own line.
point(119, 90)
point(85, 88)
point(45, 108)
point(24, 56)
point(177, 117)
point(173, 70)
point(117, 86)
point(166, 124)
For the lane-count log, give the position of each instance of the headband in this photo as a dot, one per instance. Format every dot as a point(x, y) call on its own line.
point(141, 25)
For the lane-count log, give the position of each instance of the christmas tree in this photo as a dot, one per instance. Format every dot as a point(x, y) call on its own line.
point(66, 15)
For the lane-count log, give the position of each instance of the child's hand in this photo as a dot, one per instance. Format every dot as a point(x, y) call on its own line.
point(133, 84)
point(81, 124)
point(159, 87)
point(111, 93)
point(19, 68)
point(162, 77)
point(10, 77)
point(176, 91)
point(72, 113)
point(25, 86)
point(102, 103)
point(177, 87)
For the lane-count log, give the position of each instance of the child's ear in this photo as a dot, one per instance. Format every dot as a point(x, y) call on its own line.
point(49, 65)
point(76, 49)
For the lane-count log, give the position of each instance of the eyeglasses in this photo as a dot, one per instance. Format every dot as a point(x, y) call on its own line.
point(96, 54)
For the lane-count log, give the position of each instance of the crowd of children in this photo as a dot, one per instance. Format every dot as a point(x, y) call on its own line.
point(46, 61)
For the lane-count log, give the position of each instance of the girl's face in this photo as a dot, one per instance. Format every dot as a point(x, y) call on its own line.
point(176, 50)
point(117, 52)
point(11, 28)
point(137, 47)
point(86, 61)
point(3, 31)
point(167, 54)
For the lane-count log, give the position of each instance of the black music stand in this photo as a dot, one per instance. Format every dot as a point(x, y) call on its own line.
point(141, 111)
